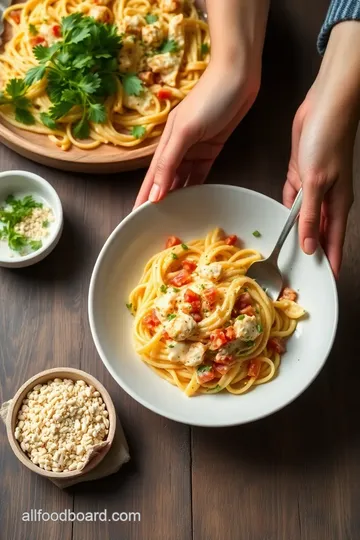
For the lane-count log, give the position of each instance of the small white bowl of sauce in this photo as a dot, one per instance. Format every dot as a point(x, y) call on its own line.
point(31, 219)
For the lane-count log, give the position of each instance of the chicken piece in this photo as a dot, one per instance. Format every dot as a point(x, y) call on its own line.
point(165, 304)
point(180, 327)
point(195, 354)
point(133, 25)
point(168, 64)
point(144, 103)
point(169, 6)
point(131, 57)
point(101, 14)
point(152, 34)
point(246, 328)
point(210, 271)
point(177, 351)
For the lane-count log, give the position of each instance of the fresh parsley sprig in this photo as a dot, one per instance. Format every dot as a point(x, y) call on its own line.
point(14, 95)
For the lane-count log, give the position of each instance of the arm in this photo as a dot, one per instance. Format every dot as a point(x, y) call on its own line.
point(324, 132)
point(198, 127)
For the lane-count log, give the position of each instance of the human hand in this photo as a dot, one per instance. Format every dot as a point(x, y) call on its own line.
point(323, 135)
point(196, 131)
point(198, 127)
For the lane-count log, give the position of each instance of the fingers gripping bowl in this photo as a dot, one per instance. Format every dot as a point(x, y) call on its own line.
point(238, 211)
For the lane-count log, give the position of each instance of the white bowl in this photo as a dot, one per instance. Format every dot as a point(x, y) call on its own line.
point(190, 214)
point(19, 184)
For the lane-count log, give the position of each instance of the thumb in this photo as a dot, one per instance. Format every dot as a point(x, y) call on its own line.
point(310, 214)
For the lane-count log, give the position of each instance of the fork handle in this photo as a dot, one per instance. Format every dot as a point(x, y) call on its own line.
point(291, 220)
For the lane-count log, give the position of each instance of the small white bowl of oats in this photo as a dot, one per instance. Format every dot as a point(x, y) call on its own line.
point(31, 219)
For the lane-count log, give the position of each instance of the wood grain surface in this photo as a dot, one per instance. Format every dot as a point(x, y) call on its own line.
point(292, 476)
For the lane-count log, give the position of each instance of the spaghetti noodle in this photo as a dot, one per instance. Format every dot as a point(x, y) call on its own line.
point(202, 324)
point(165, 45)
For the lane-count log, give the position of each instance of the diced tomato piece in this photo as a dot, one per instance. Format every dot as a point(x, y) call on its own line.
point(151, 320)
point(189, 265)
point(16, 16)
point(56, 30)
point(165, 336)
point(181, 278)
point(254, 368)
point(249, 310)
point(37, 40)
point(194, 300)
point(243, 300)
point(230, 333)
point(231, 240)
point(225, 360)
point(218, 339)
point(210, 296)
point(172, 241)
point(241, 303)
point(164, 94)
point(222, 368)
point(206, 376)
point(277, 344)
point(197, 317)
point(289, 294)
point(191, 296)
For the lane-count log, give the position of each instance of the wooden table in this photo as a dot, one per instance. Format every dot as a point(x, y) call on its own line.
point(295, 475)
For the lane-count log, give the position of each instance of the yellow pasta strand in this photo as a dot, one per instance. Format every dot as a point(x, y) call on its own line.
point(274, 319)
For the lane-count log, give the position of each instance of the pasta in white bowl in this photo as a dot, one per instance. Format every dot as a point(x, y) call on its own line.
point(133, 262)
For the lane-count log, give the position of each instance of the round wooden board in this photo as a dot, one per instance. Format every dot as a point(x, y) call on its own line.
point(105, 159)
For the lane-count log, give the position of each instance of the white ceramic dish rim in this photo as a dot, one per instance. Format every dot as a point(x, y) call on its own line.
point(59, 211)
point(154, 408)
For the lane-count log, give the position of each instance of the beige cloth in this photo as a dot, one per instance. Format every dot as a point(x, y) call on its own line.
point(112, 462)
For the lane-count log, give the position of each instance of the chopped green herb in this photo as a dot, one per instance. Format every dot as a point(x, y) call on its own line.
point(249, 343)
point(45, 223)
point(14, 211)
point(32, 30)
point(204, 368)
point(169, 46)
point(151, 18)
point(257, 234)
point(35, 244)
point(129, 306)
point(240, 317)
point(184, 246)
point(205, 49)
point(259, 328)
point(202, 286)
point(138, 131)
point(132, 84)
point(48, 121)
point(175, 289)
point(171, 346)
point(171, 316)
point(163, 288)
point(174, 256)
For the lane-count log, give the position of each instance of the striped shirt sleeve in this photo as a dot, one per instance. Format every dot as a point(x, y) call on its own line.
point(339, 10)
